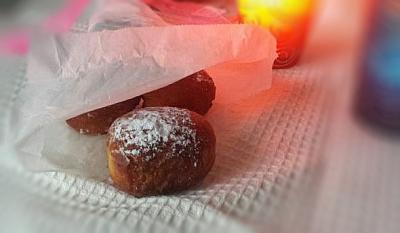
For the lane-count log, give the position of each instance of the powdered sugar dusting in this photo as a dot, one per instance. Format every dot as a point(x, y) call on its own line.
point(146, 130)
point(202, 76)
point(83, 131)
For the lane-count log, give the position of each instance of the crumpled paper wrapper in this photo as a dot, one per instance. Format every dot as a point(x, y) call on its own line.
point(127, 51)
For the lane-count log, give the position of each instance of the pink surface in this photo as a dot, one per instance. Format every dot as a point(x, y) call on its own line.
point(18, 42)
point(15, 43)
point(63, 20)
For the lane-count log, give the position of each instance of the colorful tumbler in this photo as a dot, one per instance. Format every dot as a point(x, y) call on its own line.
point(379, 88)
point(288, 20)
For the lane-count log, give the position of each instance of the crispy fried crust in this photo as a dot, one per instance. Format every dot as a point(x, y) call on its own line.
point(195, 93)
point(98, 121)
point(163, 173)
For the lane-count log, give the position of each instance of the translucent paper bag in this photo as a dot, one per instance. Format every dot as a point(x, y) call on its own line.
point(124, 54)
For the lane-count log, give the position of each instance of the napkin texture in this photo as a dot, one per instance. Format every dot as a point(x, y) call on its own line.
point(271, 144)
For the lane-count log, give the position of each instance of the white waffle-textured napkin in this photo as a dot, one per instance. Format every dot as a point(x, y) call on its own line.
point(272, 137)
point(284, 172)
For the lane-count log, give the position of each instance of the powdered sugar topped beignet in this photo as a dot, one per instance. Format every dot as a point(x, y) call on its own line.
point(195, 92)
point(98, 121)
point(159, 150)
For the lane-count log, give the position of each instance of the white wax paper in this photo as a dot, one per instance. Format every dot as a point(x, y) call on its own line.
point(122, 56)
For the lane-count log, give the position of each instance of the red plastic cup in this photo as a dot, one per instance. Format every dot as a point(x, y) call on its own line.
point(288, 20)
point(291, 41)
